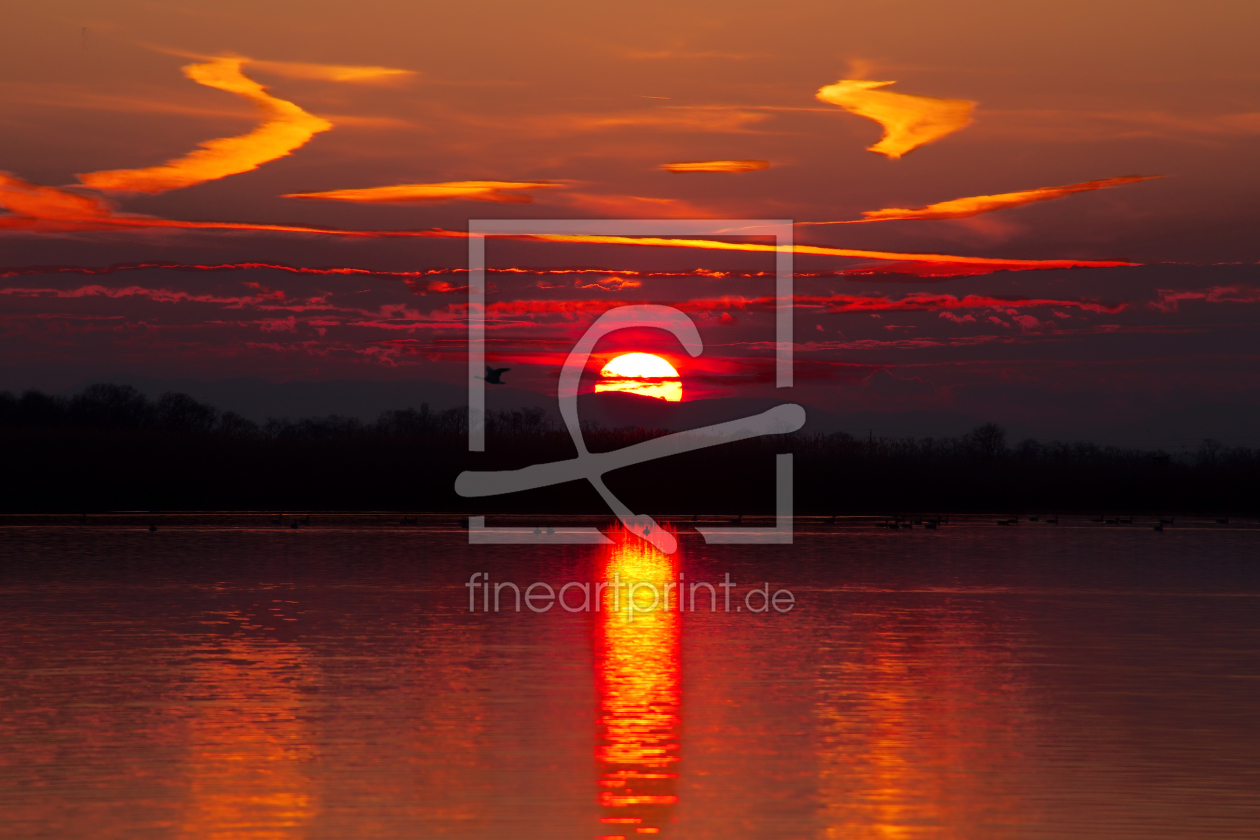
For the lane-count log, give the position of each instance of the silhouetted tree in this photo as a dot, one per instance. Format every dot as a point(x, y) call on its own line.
point(110, 407)
point(181, 413)
point(109, 447)
point(233, 424)
point(988, 440)
point(37, 410)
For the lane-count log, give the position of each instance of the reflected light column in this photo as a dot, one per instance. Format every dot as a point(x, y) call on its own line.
point(638, 679)
point(249, 748)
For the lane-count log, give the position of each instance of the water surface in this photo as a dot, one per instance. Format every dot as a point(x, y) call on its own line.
point(225, 677)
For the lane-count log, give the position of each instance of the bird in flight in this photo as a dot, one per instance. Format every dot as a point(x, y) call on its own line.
point(493, 374)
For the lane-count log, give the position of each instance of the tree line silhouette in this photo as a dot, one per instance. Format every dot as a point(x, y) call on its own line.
point(110, 447)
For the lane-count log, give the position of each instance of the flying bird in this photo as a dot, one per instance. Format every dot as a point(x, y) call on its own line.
point(493, 374)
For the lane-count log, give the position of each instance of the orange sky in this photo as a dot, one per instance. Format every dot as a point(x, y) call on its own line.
point(977, 135)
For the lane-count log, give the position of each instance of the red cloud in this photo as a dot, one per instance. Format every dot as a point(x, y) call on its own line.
point(1170, 301)
point(918, 301)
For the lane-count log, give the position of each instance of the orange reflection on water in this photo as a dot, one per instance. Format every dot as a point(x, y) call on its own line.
point(638, 678)
point(249, 747)
point(922, 733)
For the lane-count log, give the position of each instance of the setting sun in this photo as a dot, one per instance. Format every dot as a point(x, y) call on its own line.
point(643, 374)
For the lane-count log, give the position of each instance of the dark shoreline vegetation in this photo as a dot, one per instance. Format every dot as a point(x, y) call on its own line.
point(110, 448)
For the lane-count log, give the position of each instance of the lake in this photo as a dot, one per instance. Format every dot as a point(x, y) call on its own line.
point(227, 677)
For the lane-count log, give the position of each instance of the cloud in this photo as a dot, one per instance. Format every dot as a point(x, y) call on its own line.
point(717, 166)
point(330, 72)
point(926, 270)
point(609, 274)
point(504, 191)
point(157, 295)
point(987, 263)
point(286, 128)
point(636, 206)
point(915, 302)
point(962, 208)
point(53, 208)
point(59, 204)
point(909, 121)
point(33, 201)
point(1170, 301)
point(609, 284)
point(511, 191)
point(924, 301)
point(686, 118)
point(686, 54)
point(196, 268)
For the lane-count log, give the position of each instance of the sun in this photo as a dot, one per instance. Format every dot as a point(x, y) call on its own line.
point(643, 374)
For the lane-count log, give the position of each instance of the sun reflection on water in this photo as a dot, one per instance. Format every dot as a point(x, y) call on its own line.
point(638, 679)
point(250, 748)
point(921, 729)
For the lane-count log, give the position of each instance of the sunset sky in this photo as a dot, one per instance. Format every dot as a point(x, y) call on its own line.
point(197, 191)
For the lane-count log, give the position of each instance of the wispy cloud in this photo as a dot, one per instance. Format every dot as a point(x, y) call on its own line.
point(686, 54)
point(504, 191)
point(286, 128)
point(1170, 300)
point(914, 302)
point(420, 281)
point(1065, 126)
point(637, 206)
point(610, 284)
point(719, 119)
point(56, 209)
point(961, 208)
point(909, 121)
point(610, 273)
point(991, 263)
point(716, 166)
point(331, 72)
point(669, 117)
point(33, 201)
point(41, 208)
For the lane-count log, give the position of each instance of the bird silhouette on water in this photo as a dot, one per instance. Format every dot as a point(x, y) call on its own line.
point(493, 375)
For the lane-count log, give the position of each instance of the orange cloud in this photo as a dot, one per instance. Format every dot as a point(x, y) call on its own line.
point(909, 121)
point(506, 191)
point(330, 72)
point(687, 118)
point(32, 201)
point(287, 127)
point(961, 208)
point(636, 206)
point(717, 166)
point(993, 264)
point(53, 208)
